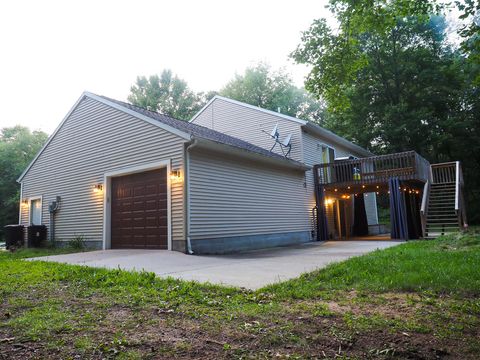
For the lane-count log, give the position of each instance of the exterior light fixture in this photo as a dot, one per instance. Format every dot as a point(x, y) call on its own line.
point(328, 201)
point(25, 202)
point(97, 188)
point(175, 176)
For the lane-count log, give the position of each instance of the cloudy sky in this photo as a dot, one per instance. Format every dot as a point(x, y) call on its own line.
point(51, 51)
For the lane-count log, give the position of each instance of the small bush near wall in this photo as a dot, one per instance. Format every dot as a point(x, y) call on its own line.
point(77, 242)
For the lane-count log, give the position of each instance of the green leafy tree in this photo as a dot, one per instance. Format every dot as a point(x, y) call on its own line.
point(167, 94)
point(391, 82)
point(18, 146)
point(470, 32)
point(273, 90)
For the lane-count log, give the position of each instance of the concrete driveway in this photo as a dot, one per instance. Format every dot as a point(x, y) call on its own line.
point(251, 270)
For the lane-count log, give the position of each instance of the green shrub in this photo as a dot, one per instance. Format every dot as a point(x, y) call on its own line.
point(77, 242)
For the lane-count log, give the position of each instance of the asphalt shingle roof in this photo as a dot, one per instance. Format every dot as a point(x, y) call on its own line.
point(201, 131)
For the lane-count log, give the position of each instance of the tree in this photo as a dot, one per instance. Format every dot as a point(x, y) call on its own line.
point(18, 146)
point(391, 82)
point(167, 94)
point(272, 90)
point(470, 32)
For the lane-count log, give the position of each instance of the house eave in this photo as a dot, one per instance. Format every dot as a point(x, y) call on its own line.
point(318, 130)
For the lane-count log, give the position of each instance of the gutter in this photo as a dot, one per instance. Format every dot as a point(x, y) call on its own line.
point(278, 161)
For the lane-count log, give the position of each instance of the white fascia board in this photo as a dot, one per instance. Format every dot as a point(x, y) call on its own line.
point(157, 123)
point(111, 104)
point(51, 137)
point(233, 150)
point(203, 108)
point(291, 118)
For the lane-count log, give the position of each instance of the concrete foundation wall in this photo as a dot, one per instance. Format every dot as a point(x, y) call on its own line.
point(243, 243)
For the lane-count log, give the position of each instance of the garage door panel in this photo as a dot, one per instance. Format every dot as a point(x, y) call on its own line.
point(139, 210)
point(138, 206)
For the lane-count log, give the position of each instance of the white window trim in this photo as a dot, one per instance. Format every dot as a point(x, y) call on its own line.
point(329, 147)
point(20, 205)
point(107, 191)
point(30, 199)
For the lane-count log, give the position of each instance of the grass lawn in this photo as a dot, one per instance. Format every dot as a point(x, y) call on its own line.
point(418, 300)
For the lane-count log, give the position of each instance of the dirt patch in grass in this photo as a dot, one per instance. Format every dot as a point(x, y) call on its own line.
point(406, 311)
point(352, 329)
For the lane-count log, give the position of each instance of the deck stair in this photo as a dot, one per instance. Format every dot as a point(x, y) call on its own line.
point(443, 207)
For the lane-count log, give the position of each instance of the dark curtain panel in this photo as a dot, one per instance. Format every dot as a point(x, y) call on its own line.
point(398, 213)
point(322, 228)
point(412, 202)
point(360, 223)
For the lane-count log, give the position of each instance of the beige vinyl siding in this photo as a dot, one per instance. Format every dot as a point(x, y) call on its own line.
point(248, 124)
point(233, 197)
point(96, 139)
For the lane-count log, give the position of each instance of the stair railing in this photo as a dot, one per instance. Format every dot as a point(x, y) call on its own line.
point(457, 186)
point(459, 200)
point(424, 207)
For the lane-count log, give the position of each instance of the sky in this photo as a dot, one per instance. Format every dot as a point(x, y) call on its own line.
point(52, 51)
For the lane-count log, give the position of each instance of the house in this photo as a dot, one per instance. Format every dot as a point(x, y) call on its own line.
point(124, 177)
point(311, 145)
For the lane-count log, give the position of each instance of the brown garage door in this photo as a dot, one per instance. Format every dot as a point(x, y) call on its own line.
point(139, 211)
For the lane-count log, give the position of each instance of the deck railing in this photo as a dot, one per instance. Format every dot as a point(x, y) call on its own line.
point(451, 173)
point(443, 173)
point(375, 169)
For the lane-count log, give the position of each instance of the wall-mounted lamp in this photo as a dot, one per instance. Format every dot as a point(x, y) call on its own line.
point(328, 201)
point(175, 175)
point(97, 188)
point(24, 202)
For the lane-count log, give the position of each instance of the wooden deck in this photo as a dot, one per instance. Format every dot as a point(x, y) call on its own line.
point(372, 171)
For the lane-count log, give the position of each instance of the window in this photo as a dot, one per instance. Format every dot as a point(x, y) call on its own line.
point(328, 157)
point(328, 154)
point(36, 211)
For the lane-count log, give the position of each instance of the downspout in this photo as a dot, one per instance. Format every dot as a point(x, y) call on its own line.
point(192, 144)
point(53, 208)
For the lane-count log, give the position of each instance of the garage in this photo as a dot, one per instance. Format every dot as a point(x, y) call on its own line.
point(139, 214)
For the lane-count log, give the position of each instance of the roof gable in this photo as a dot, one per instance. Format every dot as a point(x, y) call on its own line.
point(306, 125)
point(291, 118)
point(183, 129)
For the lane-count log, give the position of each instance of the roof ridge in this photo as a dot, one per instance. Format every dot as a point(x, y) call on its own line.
point(304, 123)
point(199, 130)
